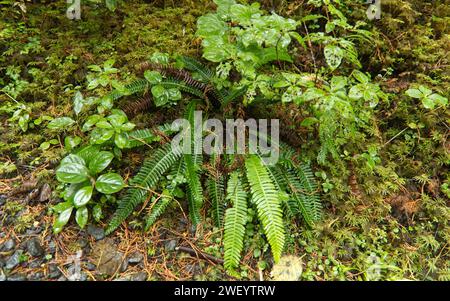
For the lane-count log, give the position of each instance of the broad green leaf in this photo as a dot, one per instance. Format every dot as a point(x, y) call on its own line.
point(428, 103)
point(333, 56)
point(160, 94)
point(109, 183)
point(62, 220)
point(93, 84)
point(91, 121)
point(71, 142)
point(356, 92)
point(100, 136)
point(117, 120)
point(153, 77)
point(72, 173)
point(58, 208)
point(78, 102)
point(60, 123)
point(100, 161)
point(88, 153)
point(44, 145)
point(210, 25)
point(82, 196)
point(438, 99)
point(73, 158)
point(361, 77)
point(414, 93)
point(103, 124)
point(121, 140)
point(81, 216)
point(127, 126)
point(174, 94)
point(425, 91)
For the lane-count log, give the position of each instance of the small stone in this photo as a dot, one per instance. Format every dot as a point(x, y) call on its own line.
point(13, 260)
point(35, 264)
point(36, 276)
point(46, 193)
point(34, 247)
point(90, 266)
point(2, 263)
point(2, 201)
point(109, 260)
point(83, 243)
point(170, 245)
point(141, 276)
point(53, 271)
point(122, 279)
point(51, 247)
point(8, 245)
point(96, 232)
point(62, 278)
point(135, 258)
point(17, 277)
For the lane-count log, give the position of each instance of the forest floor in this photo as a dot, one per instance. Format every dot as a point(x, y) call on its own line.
point(405, 232)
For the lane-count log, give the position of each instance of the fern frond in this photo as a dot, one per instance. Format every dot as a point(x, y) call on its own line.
point(157, 210)
point(302, 193)
point(138, 86)
point(306, 177)
point(215, 184)
point(268, 205)
point(233, 95)
point(174, 83)
point(138, 106)
point(194, 189)
point(235, 220)
point(193, 65)
point(140, 137)
point(289, 206)
point(193, 162)
point(147, 177)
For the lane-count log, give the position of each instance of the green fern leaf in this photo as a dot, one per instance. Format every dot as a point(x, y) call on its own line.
point(216, 194)
point(158, 208)
point(268, 205)
point(306, 177)
point(140, 137)
point(194, 189)
point(147, 177)
point(173, 83)
point(193, 65)
point(302, 193)
point(235, 220)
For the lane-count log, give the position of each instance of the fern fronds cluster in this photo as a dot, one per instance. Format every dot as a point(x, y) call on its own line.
point(146, 179)
point(235, 220)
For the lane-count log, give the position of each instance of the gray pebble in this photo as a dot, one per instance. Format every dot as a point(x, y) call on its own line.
point(8, 245)
point(53, 271)
point(170, 245)
point(34, 247)
point(17, 277)
point(13, 260)
point(96, 232)
point(135, 258)
point(36, 276)
point(141, 276)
